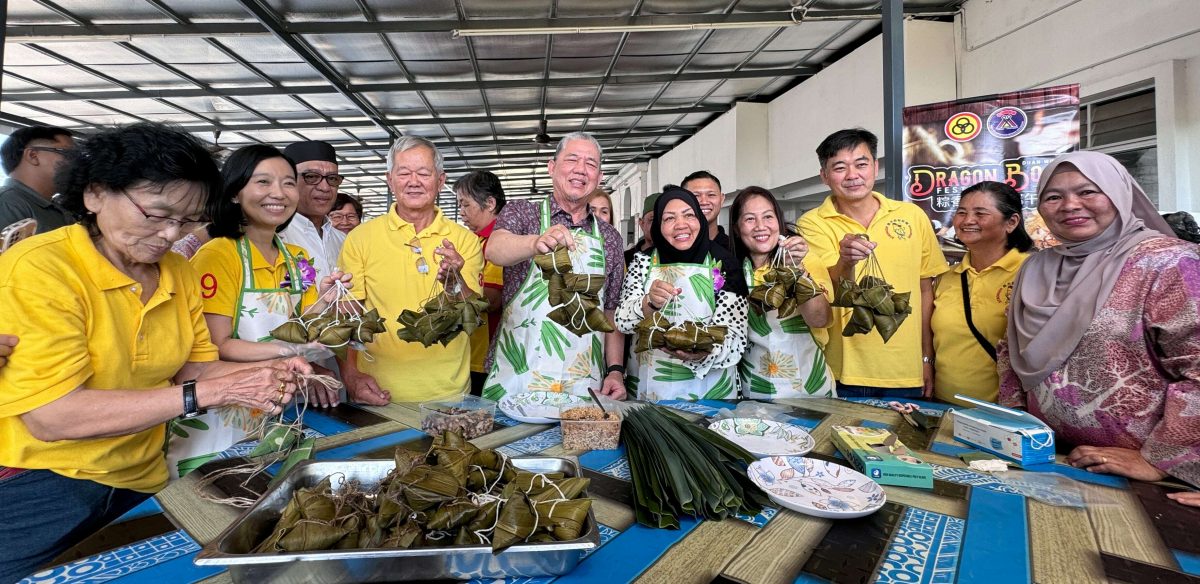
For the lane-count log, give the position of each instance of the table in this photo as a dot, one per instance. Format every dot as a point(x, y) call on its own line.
point(970, 528)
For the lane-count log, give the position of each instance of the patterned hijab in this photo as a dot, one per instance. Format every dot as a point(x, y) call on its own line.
point(1059, 290)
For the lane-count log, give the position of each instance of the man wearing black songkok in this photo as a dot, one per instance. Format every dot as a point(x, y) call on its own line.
point(317, 179)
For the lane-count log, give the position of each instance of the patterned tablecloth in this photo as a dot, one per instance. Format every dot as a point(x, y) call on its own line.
point(971, 527)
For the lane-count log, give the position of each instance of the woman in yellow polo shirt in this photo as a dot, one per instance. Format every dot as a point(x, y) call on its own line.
point(970, 302)
point(112, 344)
point(250, 283)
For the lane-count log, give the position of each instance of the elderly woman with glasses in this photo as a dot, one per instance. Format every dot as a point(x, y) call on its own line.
point(113, 344)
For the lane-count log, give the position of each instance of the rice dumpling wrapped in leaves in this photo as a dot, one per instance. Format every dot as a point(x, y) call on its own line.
point(567, 488)
point(290, 332)
point(565, 519)
point(516, 522)
point(441, 319)
point(576, 297)
point(310, 535)
point(451, 515)
point(874, 303)
point(429, 486)
point(485, 517)
point(403, 536)
point(555, 262)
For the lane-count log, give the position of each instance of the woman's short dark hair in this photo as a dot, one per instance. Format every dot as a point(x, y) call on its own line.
point(344, 199)
point(735, 212)
point(480, 185)
point(128, 156)
point(228, 220)
point(1008, 202)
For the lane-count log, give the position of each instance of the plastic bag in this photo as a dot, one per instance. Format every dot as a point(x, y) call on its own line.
point(760, 410)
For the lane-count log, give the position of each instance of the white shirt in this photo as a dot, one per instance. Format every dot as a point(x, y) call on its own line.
point(324, 248)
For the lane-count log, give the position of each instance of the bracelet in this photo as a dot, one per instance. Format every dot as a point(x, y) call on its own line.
point(615, 368)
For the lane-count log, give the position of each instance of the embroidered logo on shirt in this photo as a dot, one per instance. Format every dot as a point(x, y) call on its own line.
point(898, 229)
point(1004, 294)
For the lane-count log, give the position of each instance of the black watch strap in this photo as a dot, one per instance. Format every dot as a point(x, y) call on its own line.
point(191, 407)
point(618, 368)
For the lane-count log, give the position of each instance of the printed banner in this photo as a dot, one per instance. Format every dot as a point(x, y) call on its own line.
point(1008, 138)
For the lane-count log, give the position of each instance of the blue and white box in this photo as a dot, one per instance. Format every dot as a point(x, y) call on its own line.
point(1011, 434)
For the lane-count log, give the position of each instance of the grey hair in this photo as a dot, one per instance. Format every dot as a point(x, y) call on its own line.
point(407, 142)
point(577, 136)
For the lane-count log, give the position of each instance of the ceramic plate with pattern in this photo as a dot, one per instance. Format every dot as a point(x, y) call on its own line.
point(816, 487)
point(538, 407)
point(765, 437)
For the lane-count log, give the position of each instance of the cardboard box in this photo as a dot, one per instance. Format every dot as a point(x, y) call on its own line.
point(1010, 434)
point(878, 454)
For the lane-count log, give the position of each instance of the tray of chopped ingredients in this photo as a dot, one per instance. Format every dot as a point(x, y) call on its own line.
point(454, 511)
point(469, 415)
point(589, 428)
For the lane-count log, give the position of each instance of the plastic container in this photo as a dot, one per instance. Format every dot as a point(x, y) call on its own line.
point(470, 415)
point(584, 428)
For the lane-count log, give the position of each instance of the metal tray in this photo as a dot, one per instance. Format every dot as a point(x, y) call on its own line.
point(230, 549)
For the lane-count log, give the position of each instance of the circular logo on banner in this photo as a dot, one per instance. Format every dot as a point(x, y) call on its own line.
point(963, 126)
point(1006, 122)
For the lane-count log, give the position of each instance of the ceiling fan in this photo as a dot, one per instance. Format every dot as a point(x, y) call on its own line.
point(542, 137)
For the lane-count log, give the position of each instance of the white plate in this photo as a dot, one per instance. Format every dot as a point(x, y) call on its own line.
point(765, 437)
point(538, 407)
point(815, 487)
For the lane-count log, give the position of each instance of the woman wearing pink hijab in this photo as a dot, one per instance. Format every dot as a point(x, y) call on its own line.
point(1103, 336)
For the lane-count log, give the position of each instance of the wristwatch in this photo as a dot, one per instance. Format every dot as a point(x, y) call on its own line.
point(191, 407)
point(618, 368)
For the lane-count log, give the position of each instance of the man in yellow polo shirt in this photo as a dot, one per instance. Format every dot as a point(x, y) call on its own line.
point(902, 239)
point(399, 261)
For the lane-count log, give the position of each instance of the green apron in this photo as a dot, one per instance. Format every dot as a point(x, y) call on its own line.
point(259, 310)
point(534, 353)
point(661, 376)
point(782, 359)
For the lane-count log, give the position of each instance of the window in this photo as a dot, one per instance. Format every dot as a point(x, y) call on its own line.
point(1122, 124)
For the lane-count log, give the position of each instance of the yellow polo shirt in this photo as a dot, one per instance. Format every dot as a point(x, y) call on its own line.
point(82, 323)
point(907, 252)
point(962, 366)
point(386, 278)
point(220, 270)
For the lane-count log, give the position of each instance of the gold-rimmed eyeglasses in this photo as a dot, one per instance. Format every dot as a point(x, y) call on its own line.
point(184, 226)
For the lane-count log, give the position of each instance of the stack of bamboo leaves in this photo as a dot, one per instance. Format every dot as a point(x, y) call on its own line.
point(442, 318)
point(656, 332)
point(873, 303)
point(454, 494)
point(680, 470)
point(575, 296)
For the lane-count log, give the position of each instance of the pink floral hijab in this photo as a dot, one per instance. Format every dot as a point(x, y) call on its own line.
point(1059, 290)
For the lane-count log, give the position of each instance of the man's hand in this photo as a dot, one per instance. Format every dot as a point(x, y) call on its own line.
point(318, 394)
point(7, 342)
point(451, 265)
point(363, 389)
point(553, 237)
point(614, 386)
point(853, 249)
point(1125, 462)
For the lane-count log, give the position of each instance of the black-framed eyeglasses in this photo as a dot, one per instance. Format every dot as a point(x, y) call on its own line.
point(162, 221)
point(315, 178)
point(58, 151)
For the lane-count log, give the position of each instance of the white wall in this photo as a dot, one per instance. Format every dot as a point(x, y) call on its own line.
point(1101, 45)
point(850, 93)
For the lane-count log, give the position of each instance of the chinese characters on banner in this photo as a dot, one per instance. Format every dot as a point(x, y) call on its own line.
point(1009, 138)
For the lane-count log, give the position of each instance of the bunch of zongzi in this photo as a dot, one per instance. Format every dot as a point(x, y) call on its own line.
point(873, 303)
point(442, 318)
point(784, 288)
point(656, 332)
point(576, 297)
point(334, 328)
point(679, 469)
point(453, 494)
